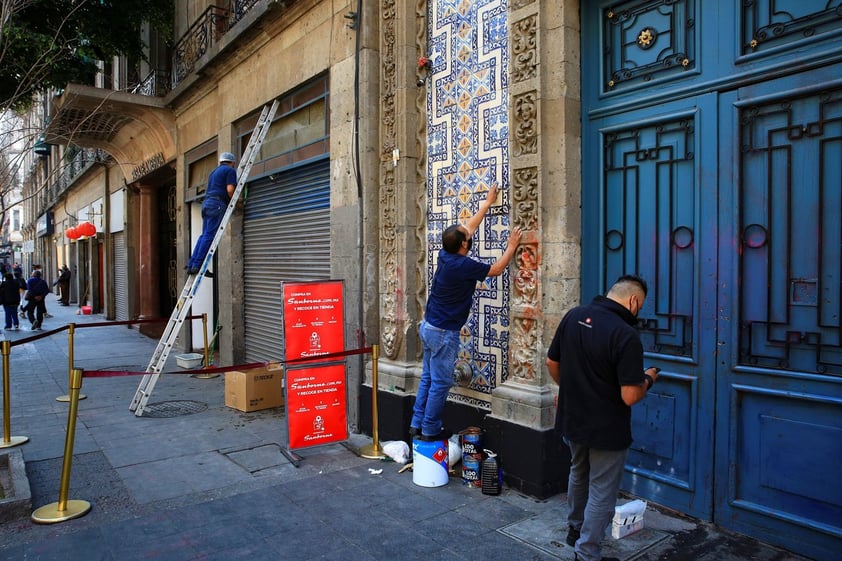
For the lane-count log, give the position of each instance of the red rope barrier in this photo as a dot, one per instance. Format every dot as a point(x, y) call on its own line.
point(248, 366)
point(65, 327)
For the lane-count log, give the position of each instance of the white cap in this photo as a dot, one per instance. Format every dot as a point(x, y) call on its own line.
point(227, 157)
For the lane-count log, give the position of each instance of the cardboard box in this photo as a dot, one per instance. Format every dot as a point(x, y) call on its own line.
point(621, 530)
point(255, 389)
point(628, 519)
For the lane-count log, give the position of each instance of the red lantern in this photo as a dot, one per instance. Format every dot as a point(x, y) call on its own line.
point(86, 229)
point(72, 233)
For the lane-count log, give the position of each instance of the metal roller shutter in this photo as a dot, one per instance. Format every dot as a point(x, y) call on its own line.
point(286, 237)
point(121, 278)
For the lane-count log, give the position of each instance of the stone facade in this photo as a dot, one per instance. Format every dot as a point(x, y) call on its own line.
point(485, 75)
point(413, 147)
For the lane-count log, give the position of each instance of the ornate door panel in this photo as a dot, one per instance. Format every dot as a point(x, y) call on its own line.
point(712, 166)
point(780, 386)
point(657, 219)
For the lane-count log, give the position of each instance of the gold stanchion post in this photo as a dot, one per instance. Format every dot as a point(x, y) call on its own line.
point(71, 330)
point(207, 351)
point(8, 439)
point(66, 509)
point(373, 451)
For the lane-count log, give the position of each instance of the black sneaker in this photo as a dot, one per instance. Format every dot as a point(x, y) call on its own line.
point(414, 432)
point(193, 271)
point(572, 536)
point(443, 434)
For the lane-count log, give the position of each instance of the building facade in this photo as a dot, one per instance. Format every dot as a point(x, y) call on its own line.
point(696, 144)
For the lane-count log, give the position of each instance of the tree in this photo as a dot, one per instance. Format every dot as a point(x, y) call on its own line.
point(46, 44)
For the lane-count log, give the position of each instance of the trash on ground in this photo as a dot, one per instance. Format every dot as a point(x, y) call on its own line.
point(628, 518)
point(398, 450)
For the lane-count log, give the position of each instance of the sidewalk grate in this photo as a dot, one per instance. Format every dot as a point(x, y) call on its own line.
point(176, 408)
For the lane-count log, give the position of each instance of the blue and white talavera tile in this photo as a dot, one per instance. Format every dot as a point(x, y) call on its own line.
point(467, 151)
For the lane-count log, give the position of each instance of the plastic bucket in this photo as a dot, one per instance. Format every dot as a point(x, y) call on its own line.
point(429, 463)
point(86, 310)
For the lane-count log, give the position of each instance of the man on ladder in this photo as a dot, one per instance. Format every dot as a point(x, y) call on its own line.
point(221, 185)
point(224, 184)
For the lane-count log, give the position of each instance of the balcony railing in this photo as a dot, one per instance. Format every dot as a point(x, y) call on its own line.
point(204, 34)
point(156, 84)
point(240, 8)
point(81, 160)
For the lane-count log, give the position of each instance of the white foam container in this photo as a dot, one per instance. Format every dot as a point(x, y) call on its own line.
point(189, 360)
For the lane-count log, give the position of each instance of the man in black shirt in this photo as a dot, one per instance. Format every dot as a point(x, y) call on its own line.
point(596, 358)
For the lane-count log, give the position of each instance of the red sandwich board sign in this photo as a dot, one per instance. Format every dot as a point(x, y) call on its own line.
point(316, 397)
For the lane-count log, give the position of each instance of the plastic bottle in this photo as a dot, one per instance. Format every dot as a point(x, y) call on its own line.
point(491, 474)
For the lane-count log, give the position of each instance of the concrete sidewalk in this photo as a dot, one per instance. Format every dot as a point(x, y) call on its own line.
point(195, 480)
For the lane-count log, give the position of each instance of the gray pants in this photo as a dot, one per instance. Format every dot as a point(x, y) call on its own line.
point(592, 495)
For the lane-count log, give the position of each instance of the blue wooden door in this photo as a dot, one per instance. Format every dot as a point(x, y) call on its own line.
point(712, 166)
point(655, 215)
point(778, 458)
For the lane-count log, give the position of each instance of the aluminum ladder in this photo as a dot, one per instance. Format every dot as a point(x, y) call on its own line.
point(185, 301)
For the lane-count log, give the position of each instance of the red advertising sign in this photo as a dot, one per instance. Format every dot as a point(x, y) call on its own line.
point(313, 319)
point(315, 405)
point(316, 396)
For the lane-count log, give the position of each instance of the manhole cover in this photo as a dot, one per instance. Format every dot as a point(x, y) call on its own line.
point(173, 408)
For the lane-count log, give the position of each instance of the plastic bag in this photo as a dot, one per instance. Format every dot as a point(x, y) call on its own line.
point(398, 450)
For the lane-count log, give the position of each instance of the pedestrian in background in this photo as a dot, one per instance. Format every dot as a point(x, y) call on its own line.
point(448, 306)
point(596, 358)
point(222, 182)
point(40, 270)
point(36, 291)
point(10, 296)
point(63, 282)
point(22, 288)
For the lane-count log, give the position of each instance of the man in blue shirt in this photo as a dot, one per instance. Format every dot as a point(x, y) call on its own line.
point(596, 358)
point(221, 184)
point(448, 306)
point(36, 290)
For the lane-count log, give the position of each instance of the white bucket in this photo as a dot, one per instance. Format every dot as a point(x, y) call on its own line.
point(429, 463)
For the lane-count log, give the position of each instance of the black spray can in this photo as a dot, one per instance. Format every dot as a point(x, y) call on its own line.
point(491, 474)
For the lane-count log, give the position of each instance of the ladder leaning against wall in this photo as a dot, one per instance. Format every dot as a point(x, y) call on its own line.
point(185, 301)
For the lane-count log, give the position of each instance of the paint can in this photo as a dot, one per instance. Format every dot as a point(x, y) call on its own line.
point(471, 472)
point(429, 463)
point(471, 439)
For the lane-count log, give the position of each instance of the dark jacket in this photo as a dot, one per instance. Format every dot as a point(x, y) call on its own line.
point(35, 287)
point(600, 351)
point(10, 292)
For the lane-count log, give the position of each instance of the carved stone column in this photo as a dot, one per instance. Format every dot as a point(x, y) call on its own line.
point(401, 195)
point(538, 171)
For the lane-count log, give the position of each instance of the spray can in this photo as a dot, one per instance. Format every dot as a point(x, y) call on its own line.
point(491, 474)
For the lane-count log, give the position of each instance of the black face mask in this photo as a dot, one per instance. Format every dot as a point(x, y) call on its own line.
point(470, 243)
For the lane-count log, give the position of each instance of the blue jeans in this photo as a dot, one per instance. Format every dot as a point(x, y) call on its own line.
point(440, 349)
point(592, 495)
point(11, 314)
point(212, 212)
